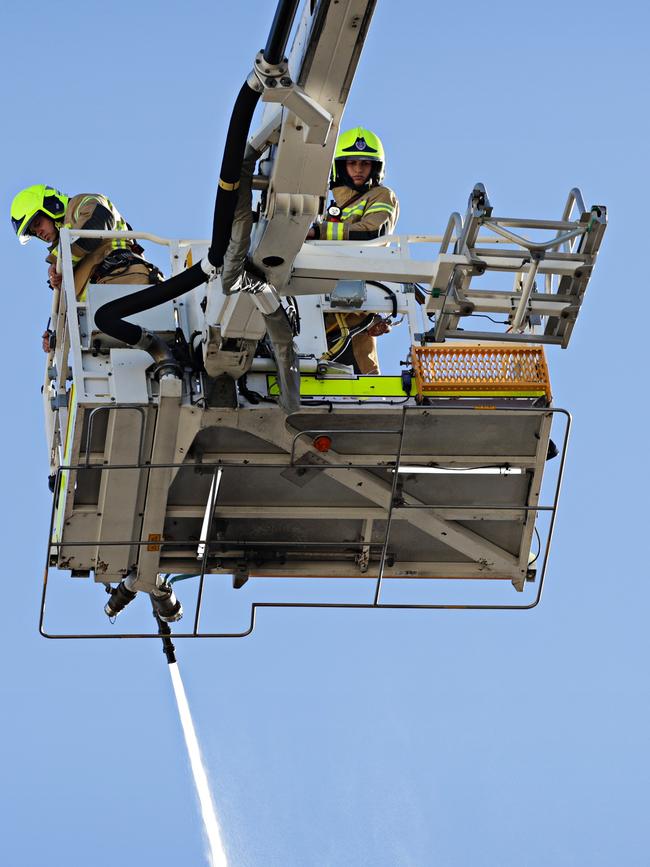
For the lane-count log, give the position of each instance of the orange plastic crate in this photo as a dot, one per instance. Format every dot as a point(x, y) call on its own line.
point(500, 370)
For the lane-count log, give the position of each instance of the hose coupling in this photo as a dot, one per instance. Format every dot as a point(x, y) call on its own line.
point(120, 598)
point(165, 604)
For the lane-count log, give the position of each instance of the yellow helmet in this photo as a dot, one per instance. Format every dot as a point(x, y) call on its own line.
point(358, 143)
point(38, 199)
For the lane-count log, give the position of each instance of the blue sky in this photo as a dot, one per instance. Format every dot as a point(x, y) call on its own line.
point(340, 739)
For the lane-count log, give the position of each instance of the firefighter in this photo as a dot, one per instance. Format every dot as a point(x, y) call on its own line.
point(41, 211)
point(362, 208)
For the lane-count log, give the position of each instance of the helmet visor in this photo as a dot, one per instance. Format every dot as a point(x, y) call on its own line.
point(21, 228)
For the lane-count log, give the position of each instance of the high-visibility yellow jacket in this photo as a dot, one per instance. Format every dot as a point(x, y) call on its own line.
point(91, 211)
point(362, 217)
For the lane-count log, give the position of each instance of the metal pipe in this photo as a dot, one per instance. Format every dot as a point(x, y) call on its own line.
point(535, 245)
point(91, 420)
point(382, 241)
point(389, 518)
point(574, 197)
point(284, 352)
point(526, 291)
point(105, 235)
point(522, 223)
point(209, 514)
point(316, 432)
point(455, 223)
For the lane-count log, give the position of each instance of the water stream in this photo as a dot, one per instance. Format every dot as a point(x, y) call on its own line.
point(216, 851)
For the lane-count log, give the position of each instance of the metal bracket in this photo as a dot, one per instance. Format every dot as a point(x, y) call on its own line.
point(348, 293)
point(279, 88)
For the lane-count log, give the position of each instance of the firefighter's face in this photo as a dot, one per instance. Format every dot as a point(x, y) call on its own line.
point(43, 227)
point(358, 170)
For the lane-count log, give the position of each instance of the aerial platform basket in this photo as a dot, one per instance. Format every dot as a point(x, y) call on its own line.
point(434, 477)
point(231, 440)
point(444, 492)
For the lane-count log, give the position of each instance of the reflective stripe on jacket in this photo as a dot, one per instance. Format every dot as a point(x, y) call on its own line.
point(369, 216)
point(91, 211)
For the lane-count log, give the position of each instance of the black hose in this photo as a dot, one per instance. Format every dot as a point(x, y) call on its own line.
point(280, 30)
point(164, 631)
point(231, 165)
point(110, 317)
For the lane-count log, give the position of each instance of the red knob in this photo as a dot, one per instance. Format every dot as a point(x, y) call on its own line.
point(322, 443)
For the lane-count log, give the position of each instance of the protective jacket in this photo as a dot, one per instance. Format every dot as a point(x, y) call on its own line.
point(363, 217)
point(91, 257)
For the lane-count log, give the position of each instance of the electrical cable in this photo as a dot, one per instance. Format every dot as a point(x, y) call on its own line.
point(539, 549)
point(485, 316)
point(181, 577)
point(481, 315)
point(352, 332)
point(388, 291)
point(469, 469)
point(358, 401)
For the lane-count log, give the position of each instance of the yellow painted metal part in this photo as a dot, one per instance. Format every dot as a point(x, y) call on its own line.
point(67, 453)
point(360, 386)
point(497, 370)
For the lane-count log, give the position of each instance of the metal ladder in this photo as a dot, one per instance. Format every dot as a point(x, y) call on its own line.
point(565, 260)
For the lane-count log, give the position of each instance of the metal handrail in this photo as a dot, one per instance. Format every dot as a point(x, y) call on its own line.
point(91, 419)
point(136, 236)
point(455, 224)
point(326, 431)
point(574, 198)
point(203, 242)
point(534, 245)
